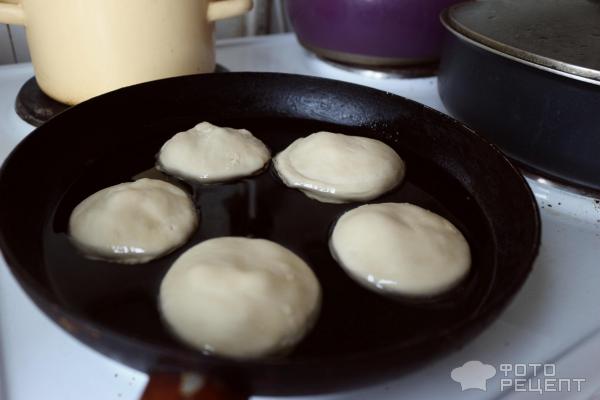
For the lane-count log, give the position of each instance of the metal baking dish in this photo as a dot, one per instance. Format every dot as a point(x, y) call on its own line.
point(526, 74)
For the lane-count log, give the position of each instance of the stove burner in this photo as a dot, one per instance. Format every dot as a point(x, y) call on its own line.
point(36, 107)
point(386, 72)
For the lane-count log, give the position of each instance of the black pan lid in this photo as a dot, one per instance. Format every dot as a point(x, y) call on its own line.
point(561, 36)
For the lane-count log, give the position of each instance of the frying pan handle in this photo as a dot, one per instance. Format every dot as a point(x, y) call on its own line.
point(11, 12)
point(165, 386)
point(227, 8)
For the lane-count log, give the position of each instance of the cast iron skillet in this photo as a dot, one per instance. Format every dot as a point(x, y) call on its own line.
point(360, 337)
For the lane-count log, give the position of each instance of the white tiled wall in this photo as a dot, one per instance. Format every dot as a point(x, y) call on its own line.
point(13, 45)
point(6, 54)
point(20, 43)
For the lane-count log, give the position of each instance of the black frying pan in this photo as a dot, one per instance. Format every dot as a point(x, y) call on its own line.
point(360, 337)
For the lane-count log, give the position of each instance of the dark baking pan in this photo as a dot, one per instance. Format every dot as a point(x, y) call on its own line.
point(526, 74)
point(360, 337)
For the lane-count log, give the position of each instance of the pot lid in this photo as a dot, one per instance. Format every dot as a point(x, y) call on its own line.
point(561, 36)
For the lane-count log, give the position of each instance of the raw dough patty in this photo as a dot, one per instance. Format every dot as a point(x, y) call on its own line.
point(240, 297)
point(337, 168)
point(133, 222)
point(401, 249)
point(208, 153)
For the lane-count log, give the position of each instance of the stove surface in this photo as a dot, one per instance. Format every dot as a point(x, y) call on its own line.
point(554, 319)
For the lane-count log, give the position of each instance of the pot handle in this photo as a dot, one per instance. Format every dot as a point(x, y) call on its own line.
point(169, 386)
point(227, 8)
point(11, 12)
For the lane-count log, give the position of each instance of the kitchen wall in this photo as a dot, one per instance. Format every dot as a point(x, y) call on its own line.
point(13, 45)
point(266, 17)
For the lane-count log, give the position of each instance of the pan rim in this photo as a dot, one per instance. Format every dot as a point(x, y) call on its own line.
point(530, 59)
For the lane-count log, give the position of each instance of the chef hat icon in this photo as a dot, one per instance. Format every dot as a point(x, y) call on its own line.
point(473, 375)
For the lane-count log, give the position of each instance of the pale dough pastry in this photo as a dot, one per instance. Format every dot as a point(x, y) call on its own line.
point(400, 248)
point(240, 297)
point(133, 222)
point(208, 153)
point(337, 168)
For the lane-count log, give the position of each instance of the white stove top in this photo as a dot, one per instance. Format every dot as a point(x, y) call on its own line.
point(554, 319)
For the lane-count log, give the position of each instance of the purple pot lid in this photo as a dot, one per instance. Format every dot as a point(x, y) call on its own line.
point(561, 36)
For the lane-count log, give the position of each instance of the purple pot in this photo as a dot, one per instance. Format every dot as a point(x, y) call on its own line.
point(370, 32)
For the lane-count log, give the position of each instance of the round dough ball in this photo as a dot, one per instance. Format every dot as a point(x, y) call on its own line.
point(208, 153)
point(400, 249)
point(337, 168)
point(133, 222)
point(240, 297)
